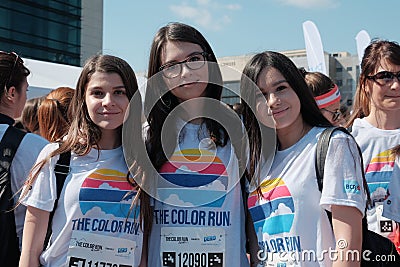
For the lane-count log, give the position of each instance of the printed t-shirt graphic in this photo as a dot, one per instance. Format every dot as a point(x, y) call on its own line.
point(379, 173)
point(274, 213)
point(194, 178)
point(189, 171)
point(106, 191)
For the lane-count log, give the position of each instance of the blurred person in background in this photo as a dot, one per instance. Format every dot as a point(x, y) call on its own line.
point(327, 95)
point(53, 114)
point(13, 88)
point(29, 117)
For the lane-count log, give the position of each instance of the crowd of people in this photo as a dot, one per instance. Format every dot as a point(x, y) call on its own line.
point(215, 185)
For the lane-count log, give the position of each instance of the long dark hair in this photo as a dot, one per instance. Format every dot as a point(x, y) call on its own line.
point(375, 53)
point(157, 113)
point(251, 72)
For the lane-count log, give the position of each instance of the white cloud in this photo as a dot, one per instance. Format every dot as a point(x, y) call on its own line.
point(282, 209)
point(215, 185)
point(310, 4)
point(379, 193)
point(206, 13)
point(386, 168)
point(107, 186)
point(175, 200)
point(97, 212)
point(233, 7)
point(184, 169)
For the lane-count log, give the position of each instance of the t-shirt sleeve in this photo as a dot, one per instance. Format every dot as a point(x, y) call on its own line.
point(343, 181)
point(43, 192)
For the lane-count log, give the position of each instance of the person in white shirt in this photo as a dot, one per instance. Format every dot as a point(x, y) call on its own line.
point(286, 206)
point(13, 88)
point(198, 204)
point(97, 218)
point(375, 125)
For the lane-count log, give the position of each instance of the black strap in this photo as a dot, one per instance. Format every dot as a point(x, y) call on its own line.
point(322, 150)
point(245, 196)
point(9, 144)
point(61, 171)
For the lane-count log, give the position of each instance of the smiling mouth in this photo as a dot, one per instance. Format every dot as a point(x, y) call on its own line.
point(109, 113)
point(187, 84)
point(278, 112)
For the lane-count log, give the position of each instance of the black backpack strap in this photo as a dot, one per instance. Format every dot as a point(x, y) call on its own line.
point(9, 252)
point(245, 196)
point(61, 171)
point(322, 150)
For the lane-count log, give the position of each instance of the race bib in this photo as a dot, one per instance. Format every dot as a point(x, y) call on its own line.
point(192, 247)
point(93, 250)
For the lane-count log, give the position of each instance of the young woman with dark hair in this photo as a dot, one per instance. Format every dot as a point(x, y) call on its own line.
point(287, 208)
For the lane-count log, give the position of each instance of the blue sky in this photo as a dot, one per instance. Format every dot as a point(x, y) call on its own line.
point(238, 27)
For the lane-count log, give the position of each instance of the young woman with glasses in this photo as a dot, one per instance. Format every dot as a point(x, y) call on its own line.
point(197, 201)
point(375, 124)
point(327, 95)
point(13, 88)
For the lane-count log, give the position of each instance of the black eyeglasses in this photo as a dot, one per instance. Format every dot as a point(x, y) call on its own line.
point(17, 59)
point(193, 62)
point(335, 114)
point(385, 77)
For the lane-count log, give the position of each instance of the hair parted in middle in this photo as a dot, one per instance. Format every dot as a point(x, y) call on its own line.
point(157, 91)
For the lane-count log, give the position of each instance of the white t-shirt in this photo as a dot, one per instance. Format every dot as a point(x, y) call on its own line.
point(198, 210)
point(290, 220)
point(376, 145)
point(22, 163)
point(93, 214)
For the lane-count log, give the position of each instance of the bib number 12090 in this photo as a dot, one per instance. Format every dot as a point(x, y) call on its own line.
point(192, 259)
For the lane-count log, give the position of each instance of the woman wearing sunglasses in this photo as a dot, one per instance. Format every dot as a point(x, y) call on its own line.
point(327, 95)
point(375, 124)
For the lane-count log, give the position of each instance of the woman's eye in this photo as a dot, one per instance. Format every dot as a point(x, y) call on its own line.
point(194, 59)
point(120, 92)
point(98, 93)
point(280, 88)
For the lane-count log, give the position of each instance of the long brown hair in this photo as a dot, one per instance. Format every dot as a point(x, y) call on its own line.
point(375, 53)
point(84, 134)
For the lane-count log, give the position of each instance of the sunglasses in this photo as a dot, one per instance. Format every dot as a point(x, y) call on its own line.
point(335, 114)
point(18, 59)
point(385, 77)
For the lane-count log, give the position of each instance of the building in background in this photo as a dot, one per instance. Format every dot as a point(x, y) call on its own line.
point(53, 37)
point(64, 32)
point(342, 68)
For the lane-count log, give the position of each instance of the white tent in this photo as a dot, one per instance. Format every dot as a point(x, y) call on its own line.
point(46, 76)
